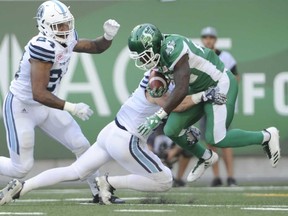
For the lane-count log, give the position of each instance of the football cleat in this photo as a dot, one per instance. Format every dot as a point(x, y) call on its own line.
point(113, 199)
point(105, 190)
point(201, 166)
point(10, 192)
point(272, 147)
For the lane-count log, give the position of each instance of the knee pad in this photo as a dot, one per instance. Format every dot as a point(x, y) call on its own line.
point(81, 144)
point(20, 171)
point(164, 179)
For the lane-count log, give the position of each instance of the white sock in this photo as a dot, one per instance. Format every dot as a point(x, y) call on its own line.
point(49, 177)
point(92, 183)
point(207, 154)
point(266, 136)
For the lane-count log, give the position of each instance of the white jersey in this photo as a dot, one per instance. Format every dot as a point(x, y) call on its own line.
point(227, 59)
point(44, 49)
point(135, 110)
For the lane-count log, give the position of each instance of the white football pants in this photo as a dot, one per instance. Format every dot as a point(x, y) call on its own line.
point(147, 171)
point(20, 119)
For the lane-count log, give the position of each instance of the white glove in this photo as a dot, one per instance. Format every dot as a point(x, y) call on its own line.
point(81, 110)
point(110, 29)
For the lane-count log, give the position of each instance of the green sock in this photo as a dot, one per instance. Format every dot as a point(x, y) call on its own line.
point(196, 149)
point(238, 138)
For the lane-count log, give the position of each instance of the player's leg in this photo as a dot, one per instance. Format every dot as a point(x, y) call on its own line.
point(183, 163)
point(85, 165)
point(176, 128)
point(220, 117)
point(19, 120)
point(227, 154)
point(215, 168)
point(61, 126)
point(148, 172)
point(80, 169)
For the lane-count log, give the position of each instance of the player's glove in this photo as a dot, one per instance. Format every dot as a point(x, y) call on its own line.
point(193, 135)
point(152, 122)
point(80, 110)
point(213, 95)
point(111, 28)
point(156, 92)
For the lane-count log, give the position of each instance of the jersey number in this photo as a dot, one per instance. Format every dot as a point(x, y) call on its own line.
point(54, 76)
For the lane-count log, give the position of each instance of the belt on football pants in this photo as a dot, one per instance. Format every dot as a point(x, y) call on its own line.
point(119, 125)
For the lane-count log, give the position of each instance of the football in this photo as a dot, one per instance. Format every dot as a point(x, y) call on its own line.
point(157, 80)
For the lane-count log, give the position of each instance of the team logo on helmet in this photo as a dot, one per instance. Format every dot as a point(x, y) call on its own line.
point(40, 12)
point(147, 37)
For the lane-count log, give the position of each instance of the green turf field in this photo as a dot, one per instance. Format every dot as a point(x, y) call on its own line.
point(198, 201)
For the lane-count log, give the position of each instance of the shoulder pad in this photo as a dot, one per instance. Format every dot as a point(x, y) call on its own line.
point(42, 48)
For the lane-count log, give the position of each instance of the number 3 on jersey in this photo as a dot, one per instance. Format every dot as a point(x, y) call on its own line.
point(54, 76)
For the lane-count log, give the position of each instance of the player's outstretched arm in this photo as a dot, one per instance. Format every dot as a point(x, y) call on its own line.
point(100, 44)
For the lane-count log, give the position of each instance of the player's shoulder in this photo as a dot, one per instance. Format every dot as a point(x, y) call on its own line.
point(173, 47)
point(42, 48)
point(226, 54)
point(144, 81)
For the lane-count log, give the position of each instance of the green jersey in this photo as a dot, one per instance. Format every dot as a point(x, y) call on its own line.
point(205, 66)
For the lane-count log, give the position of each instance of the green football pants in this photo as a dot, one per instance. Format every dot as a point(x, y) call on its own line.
point(218, 117)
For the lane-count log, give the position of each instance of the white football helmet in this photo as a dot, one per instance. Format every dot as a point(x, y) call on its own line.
point(55, 20)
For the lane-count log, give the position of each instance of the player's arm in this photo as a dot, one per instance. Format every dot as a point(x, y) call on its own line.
point(96, 46)
point(99, 44)
point(40, 76)
point(181, 78)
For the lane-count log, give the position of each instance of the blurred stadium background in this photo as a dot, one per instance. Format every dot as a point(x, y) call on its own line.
point(254, 31)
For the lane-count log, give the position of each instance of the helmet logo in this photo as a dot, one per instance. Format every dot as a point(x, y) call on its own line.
point(147, 37)
point(170, 47)
point(40, 12)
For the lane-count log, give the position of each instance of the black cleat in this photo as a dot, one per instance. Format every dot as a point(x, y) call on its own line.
point(113, 199)
point(216, 182)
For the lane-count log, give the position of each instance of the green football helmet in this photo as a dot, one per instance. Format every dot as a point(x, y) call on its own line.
point(144, 44)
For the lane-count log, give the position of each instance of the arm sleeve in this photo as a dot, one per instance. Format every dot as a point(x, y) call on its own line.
point(144, 82)
point(172, 51)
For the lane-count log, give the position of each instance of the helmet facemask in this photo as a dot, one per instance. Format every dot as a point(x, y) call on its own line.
point(56, 21)
point(62, 30)
point(145, 60)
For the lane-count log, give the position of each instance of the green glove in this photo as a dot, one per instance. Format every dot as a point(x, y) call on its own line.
point(151, 122)
point(156, 92)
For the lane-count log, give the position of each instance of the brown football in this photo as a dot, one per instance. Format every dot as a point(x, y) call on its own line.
point(157, 80)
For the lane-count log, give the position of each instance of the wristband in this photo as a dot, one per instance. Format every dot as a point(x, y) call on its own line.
point(197, 98)
point(70, 107)
point(161, 113)
point(108, 37)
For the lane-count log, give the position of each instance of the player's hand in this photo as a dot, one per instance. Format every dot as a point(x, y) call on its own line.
point(193, 135)
point(152, 122)
point(156, 92)
point(81, 110)
point(213, 95)
point(111, 28)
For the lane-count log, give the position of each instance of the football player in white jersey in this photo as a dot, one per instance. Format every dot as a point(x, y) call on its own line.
point(31, 100)
point(119, 141)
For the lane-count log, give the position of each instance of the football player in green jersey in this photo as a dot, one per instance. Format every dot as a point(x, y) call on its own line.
point(195, 69)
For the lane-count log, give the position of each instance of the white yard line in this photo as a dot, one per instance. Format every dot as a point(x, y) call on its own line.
point(265, 209)
point(144, 210)
point(22, 213)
